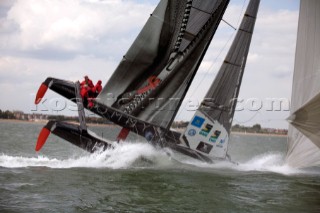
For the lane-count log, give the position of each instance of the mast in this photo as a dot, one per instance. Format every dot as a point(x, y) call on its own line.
point(304, 134)
point(220, 101)
point(155, 74)
point(208, 131)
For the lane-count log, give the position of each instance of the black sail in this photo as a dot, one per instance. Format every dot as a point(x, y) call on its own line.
point(169, 49)
point(208, 131)
point(220, 101)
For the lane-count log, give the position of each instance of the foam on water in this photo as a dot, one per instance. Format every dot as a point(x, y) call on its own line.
point(268, 162)
point(122, 156)
point(128, 155)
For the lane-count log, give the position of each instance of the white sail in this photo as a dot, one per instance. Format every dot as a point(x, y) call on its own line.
point(304, 134)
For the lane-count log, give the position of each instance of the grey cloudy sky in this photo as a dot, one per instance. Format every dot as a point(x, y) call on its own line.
point(68, 39)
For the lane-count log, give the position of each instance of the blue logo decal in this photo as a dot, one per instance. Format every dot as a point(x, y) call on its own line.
point(192, 132)
point(198, 121)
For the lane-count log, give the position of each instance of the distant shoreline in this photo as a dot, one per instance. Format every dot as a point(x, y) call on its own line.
point(258, 134)
point(20, 121)
point(113, 125)
point(45, 121)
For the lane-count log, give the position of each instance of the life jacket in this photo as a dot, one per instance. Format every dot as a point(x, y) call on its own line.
point(97, 88)
point(87, 83)
point(84, 92)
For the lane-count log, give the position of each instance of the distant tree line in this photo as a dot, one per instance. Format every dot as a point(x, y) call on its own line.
point(237, 128)
point(258, 129)
point(180, 124)
point(97, 120)
point(22, 116)
point(254, 129)
point(6, 114)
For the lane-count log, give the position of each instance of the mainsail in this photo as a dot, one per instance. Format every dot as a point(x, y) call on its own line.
point(156, 72)
point(304, 134)
point(209, 130)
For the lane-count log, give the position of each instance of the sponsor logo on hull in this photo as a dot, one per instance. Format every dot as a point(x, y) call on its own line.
point(206, 130)
point(215, 136)
point(192, 132)
point(197, 121)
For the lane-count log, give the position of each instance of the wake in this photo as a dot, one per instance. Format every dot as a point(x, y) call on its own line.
point(122, 156)
point(268, 162)
point(142, 155)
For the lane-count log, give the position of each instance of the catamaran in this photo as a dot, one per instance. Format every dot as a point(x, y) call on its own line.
point(146, 90)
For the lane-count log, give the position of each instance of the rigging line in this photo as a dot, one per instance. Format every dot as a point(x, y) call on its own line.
point(215, 60)
point(250, 119)
point(207, 72)
point(258, 112)
point(270, 120)
point(228, 24)
point(244, 2)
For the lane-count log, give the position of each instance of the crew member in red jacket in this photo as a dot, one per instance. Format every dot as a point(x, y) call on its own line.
point(97, 88)
point(87, 82)
point(86, 87)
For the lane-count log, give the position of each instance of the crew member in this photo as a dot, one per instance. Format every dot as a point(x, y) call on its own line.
point(97, 88)
point(86, 87)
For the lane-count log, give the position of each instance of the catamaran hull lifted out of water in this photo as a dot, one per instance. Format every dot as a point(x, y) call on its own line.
point(178, 34)
point(89, 141)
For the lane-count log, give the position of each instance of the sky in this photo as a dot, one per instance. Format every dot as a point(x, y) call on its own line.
point(68, 39)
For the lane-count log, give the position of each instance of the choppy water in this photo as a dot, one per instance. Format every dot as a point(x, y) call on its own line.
point(62, 178)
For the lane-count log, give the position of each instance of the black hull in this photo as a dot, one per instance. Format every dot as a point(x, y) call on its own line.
point(156, 135)
point(73, 134)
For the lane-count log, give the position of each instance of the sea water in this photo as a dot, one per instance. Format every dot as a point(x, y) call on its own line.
point(136, 177)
